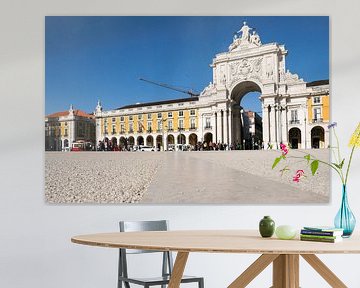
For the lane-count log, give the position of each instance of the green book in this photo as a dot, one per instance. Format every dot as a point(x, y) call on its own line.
point(319, 236)
point(325, 240)
point(323, 228)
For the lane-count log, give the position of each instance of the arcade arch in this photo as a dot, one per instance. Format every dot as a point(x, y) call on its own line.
point(193, 139)
point(246, 122)
point(122, 142)
point(150, 141)
point(317, 137)
point(140, 140)
point(131, 141)
point(295, 138)
point(159, 142)
point(181, 139)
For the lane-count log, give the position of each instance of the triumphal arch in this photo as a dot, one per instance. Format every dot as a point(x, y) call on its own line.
point(290, 106)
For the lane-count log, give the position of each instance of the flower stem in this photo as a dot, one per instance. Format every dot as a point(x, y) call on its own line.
point(351, 155)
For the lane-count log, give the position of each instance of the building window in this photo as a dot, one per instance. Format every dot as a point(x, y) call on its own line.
point(140, 116)
point(149, 126)
point(317, 100)
point(131, 128)
point(192, 112)
point(113, 129)
point(66, 124)
point(159, 125)
point(207, 123)
point(140, 127)
point(131, 117)
point(181, 124)
point(170, 125)
point(113, 119)
point(294, 117)
point(122, 118)
point(159, 115)
point(317, 115)
point(66, 132)
point(181, 113)
point(149, 116)
point(192, 123)
point(122, 128)
point(170, 115)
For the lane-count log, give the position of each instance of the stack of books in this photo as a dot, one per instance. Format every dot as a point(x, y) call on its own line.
point(321, 234)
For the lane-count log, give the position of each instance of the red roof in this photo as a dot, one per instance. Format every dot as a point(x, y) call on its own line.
point(66, 113)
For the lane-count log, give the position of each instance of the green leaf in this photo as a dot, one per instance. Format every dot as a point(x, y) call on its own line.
point(276, 161)
point(336, 165)
point(314, 166)
point(339, 166)
point(342, 163)
point(307, 157)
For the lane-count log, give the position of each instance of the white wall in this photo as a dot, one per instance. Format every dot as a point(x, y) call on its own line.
point(35, 248)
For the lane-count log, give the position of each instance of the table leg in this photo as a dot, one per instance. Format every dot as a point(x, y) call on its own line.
point(253, 270)
point(286, 271)
point(324, 271)
point(178, 269)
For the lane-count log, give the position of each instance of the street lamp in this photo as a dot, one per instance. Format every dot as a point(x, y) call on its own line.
point(242, 128)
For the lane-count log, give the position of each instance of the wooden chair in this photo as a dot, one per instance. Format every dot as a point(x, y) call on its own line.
point(167, 262)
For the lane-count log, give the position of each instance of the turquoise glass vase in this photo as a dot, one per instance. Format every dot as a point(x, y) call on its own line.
point(345, 219)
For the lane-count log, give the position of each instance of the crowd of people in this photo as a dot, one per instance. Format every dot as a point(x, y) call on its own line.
point(107, 145)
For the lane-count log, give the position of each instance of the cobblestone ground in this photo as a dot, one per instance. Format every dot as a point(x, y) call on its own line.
point(209, 177)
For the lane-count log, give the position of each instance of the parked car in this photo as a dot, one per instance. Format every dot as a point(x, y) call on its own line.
point(146, 148)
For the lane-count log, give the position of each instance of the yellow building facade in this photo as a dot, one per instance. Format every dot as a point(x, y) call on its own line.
point(162, 124)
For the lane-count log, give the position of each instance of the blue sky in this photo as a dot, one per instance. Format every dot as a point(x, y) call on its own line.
point(91, 58)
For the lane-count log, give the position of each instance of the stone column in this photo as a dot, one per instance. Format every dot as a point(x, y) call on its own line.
point(284, 123)
point(265, 125)
point(222, 126)
point(227, 126)
point(273, 124)
point(216, 128)
point(230, 123)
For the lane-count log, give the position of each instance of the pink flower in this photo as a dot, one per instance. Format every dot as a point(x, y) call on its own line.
point(298, 175)
point(284, 149)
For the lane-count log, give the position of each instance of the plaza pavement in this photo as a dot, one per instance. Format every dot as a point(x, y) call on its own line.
point(208, 177)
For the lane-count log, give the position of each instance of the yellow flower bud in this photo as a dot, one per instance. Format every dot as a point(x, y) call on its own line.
point(355, 138)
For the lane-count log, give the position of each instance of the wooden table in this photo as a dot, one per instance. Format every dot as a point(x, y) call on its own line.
point(284, 254)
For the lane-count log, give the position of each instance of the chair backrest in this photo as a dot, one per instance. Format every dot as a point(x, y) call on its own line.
point(134, 226)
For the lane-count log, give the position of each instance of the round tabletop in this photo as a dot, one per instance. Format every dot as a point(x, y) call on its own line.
point(217, 241)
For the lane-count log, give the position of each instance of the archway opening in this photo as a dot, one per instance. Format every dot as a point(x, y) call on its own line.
point(170, 139)
point(149, 141)
point(140, 140)
point(159, 142)
point(295, 138)
point(193, 139)
point(122, 143)
point(181, 139)
point(131, 141)
point(208, 139)
point(317, 137)
point(247, 133)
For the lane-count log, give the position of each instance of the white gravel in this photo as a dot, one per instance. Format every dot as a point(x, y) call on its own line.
point(98, 177)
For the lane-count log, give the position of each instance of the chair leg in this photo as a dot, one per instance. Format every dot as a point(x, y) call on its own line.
point(201, 283)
